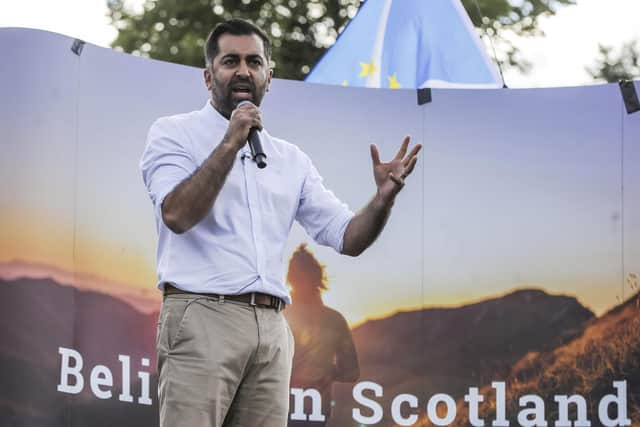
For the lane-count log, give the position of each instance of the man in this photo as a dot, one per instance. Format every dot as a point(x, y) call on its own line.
point(224, 347)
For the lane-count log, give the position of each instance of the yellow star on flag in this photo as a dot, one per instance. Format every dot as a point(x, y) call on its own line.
point(366, 69)
point(393, 81)
point(345, 83)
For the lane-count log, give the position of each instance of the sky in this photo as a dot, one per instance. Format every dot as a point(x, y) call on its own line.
point(559, 58)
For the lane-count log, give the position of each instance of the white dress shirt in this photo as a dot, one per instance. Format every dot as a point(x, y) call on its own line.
point(238, 247)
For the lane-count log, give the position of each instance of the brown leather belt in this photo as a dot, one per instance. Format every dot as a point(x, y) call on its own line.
point(257, 299)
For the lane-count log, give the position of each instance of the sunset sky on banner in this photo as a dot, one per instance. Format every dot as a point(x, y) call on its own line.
point(513, 189)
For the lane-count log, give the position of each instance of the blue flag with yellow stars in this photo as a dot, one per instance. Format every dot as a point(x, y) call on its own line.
point(408, 44)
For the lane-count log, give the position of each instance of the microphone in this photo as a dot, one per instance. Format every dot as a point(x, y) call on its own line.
point(257, 153)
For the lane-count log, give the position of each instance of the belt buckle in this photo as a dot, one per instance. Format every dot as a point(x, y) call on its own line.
point(253, 299)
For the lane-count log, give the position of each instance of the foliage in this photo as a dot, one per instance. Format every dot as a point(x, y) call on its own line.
point(614, 65)
point(301, 30)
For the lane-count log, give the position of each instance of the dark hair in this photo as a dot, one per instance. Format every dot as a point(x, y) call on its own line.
point(237, 27)
point(305, 270)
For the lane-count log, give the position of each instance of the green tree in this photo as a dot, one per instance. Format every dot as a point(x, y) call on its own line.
point(301, 30)
point(617, 64)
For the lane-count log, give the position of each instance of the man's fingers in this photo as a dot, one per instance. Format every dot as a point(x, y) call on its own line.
point(403, 148)
point(375, 156)
point(410, 166)
point(412, 154)
point(257, 122)
point(248, 114)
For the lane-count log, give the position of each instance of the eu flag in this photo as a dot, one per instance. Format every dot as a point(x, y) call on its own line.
point(408, 44)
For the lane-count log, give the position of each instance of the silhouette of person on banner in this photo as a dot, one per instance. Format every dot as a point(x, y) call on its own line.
point(324, 348)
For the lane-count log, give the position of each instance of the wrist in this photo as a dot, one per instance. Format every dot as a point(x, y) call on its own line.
point(232, 143)
point(383, 201)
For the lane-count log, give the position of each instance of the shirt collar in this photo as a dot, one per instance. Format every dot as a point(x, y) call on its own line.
point(210, 112)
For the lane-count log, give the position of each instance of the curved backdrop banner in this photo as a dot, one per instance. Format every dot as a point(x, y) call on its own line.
point(504, 290)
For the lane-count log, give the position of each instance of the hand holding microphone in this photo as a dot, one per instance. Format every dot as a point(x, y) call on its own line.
point(257, 153)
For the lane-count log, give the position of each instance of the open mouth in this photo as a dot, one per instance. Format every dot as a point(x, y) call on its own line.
point(242, 90)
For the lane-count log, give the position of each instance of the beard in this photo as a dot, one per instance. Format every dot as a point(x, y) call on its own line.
point(227, 96)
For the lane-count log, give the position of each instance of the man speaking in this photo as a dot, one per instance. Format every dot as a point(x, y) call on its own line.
point(224, 346)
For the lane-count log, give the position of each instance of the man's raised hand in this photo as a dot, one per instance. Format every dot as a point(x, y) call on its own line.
point(390, 177)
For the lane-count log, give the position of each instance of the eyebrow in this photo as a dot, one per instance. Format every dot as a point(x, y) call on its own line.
point(236, 56)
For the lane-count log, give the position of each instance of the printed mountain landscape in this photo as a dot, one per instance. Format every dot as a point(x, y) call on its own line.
point(447, 350)
point(607, 350)
point(527, 336)
point(37, 316)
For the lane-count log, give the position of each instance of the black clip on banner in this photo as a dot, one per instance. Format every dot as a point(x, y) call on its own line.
point(424, 95)
point(77, 46)
point(629, 96)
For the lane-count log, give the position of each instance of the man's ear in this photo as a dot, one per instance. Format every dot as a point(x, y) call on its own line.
point(207, 78)
point(269, 77)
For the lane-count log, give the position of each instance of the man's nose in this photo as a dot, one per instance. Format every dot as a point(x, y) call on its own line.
point(243, 69)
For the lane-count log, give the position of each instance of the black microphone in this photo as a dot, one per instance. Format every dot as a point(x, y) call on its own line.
point(257, 153)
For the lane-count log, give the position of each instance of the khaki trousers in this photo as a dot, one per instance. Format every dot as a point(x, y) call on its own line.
point(222, 364)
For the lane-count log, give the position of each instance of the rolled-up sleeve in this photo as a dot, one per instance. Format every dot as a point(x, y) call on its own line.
point(320, 212)
point(166, 162)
